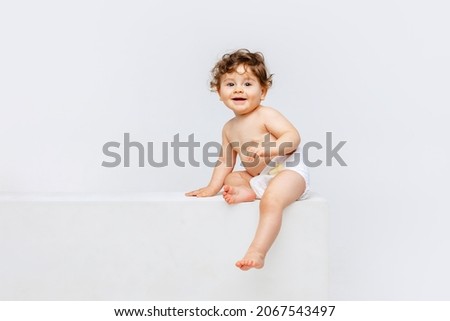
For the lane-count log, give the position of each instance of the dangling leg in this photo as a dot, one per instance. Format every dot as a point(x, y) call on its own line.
point(285, 188)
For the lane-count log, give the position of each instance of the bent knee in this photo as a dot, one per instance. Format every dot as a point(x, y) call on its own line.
point(238, 175)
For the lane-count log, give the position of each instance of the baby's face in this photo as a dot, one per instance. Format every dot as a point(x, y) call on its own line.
point(241, 91)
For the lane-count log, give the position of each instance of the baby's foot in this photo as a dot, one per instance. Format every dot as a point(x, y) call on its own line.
point(238, 194)
point(251, 260)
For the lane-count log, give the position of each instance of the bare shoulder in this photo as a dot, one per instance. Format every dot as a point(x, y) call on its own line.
point(270, 113)
point(227, 127)
point(275, 122)
point(228, 124)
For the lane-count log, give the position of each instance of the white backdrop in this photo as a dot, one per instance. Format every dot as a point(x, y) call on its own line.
point(75, 75)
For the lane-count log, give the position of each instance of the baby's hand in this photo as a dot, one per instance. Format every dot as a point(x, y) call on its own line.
point(253, 153)
point(203, 192)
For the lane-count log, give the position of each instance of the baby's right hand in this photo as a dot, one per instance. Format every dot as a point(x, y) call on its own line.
point(203, 192)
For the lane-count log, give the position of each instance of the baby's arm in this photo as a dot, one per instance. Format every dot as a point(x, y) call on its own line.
point(224, 167)
point(280, 127)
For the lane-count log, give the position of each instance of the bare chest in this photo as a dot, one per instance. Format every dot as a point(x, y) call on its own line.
point(246, 132)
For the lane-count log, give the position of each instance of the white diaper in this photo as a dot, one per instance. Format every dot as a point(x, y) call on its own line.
point(292, 162)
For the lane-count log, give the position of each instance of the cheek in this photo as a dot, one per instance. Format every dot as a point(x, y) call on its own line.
point(223, 94)
point(257, 93)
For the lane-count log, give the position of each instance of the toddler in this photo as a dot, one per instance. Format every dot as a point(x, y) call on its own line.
point(267, 144)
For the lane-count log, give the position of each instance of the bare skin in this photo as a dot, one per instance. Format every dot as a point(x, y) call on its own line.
point(237, 188)
point(283, 189)
point(241, 92)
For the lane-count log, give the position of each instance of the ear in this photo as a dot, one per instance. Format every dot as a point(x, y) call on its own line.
point(264, 93)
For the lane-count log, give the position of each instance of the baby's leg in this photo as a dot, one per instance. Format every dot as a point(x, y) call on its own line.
point(283, 189)
point(237, 188)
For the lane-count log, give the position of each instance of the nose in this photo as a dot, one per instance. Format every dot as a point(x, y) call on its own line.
point(238, 89)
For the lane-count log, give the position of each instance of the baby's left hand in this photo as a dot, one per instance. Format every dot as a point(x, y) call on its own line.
point(254, 153)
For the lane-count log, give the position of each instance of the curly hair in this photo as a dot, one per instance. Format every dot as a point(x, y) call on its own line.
point(230, 62)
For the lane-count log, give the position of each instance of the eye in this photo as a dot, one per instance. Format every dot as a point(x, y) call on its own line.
point(247, 84)
point(229, 84)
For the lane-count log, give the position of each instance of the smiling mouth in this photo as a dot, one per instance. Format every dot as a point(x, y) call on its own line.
point(239, 99)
